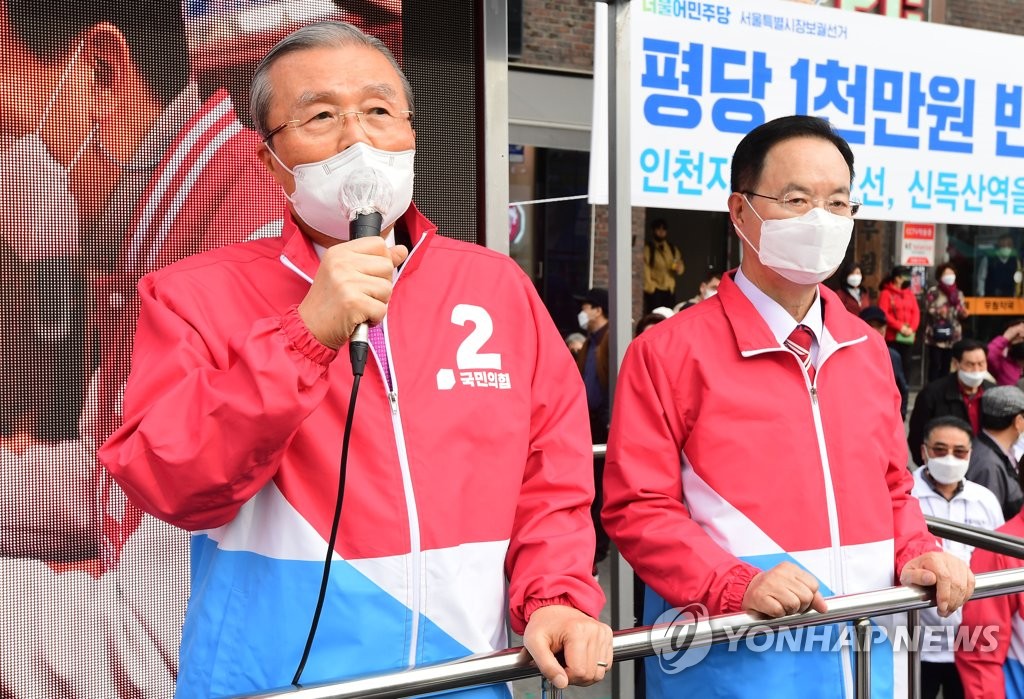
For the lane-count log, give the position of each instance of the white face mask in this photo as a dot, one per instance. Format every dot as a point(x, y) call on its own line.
point(806, 249)
point(708, 293)
point(947, 469)
point(40, 213)
point(583, 319)
point(971, 379)
point(853, 281)
point(329, 193)
point(948, 279)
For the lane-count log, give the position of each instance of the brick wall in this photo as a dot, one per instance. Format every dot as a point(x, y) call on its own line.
point(558, 34)
point(1004, 16)
point(601, 254)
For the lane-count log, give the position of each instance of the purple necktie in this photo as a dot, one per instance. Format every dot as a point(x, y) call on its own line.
point(381, 350)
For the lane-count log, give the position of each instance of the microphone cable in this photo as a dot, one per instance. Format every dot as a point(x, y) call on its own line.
point(364, 226)
point(334, 526)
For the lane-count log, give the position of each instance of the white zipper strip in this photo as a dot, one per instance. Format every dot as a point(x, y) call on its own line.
point(839, 583)
point(415, 552)
point(414, 528)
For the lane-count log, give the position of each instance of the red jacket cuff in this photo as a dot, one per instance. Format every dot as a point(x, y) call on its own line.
point(731, 599)
point(304, 342)
point(910, 554)
point(533, 605)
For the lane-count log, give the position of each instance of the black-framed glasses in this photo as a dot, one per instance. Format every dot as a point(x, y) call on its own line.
point(801, 203)
point(376, 121)
point(939, 449)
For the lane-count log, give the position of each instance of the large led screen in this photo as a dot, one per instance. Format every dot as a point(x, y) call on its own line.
point(125, 144)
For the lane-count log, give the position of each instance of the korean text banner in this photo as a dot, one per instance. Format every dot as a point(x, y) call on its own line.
point(933, 112)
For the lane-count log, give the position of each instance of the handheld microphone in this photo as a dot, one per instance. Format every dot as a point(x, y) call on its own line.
point(365, 194)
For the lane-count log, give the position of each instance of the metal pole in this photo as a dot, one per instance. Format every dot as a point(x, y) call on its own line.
point(976, 536)
point(494, 86)
point(862, 657)
point(913, 658)
point(512, 664)
point(620, 287)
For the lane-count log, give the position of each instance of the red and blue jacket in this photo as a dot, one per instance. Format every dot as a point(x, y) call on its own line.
point(725, 459)
point(469, 478)
point(993, 668)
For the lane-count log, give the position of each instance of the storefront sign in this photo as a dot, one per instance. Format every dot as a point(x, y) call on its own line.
point(516, 223)
point(918, 244)
point(994, 306)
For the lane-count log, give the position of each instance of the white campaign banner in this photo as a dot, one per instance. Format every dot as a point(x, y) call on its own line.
point(933, 112)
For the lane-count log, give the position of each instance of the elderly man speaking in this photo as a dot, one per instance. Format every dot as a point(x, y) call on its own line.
point(235, 418)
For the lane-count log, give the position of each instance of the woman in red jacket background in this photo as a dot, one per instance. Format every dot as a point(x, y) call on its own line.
point(902, 314)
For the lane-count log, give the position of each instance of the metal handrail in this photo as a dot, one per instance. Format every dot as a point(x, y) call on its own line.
point(512, 664)
point(1006, 544)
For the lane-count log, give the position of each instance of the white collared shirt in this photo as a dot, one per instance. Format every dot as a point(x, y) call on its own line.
point(389, 241)
point(779, 321)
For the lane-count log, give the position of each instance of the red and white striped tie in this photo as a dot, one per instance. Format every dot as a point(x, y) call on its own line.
point(799, 343)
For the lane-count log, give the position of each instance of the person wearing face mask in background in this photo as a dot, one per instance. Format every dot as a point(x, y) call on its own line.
point(117, 166)
point(942, 490)
point(39, 224)
point(851, 291)
point(945, 310)
point(740, 474)
point(469, 484)
point(958, 394)
point(902, 313)
point(707, 289)
point(992, 464)
point(1000, 274)
point(592, 361)
point(44, 369)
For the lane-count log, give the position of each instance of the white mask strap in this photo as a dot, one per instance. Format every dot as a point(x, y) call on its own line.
point(740, 233)
point(279, 162)
point(290, 171)
point(60, 86)
point(752, 208)
point(81, 148)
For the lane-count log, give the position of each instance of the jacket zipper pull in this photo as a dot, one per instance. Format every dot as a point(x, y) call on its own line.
point(393, 399)
point(814, 394)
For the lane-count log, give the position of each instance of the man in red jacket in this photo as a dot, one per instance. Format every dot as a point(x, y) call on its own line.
point(756, 460)
point(468, 475)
